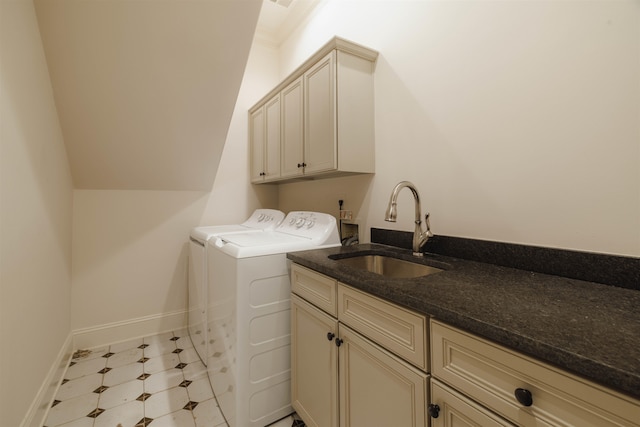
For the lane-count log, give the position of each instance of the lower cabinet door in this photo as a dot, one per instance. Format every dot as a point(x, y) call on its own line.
point(451, 409)
point(314, 368)
point(377, 389)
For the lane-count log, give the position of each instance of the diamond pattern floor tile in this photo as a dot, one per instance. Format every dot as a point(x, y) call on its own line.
point(127, 415)
point(79, 386)
point(72, 409)
point(175, 419)
point(85, 367)
point(117, 384)
point(121, 394)
point(123, 374)
point(155, 381)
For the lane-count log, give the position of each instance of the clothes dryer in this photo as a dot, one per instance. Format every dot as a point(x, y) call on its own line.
point(249, 313)
point(260, 220)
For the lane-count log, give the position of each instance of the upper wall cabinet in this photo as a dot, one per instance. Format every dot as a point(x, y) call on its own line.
point(322, 124)
point(264, 134)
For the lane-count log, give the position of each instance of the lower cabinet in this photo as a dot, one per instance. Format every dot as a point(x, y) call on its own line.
point(455, 410)
point(377, 388)
point(519, 389)
point(340, 377)
point(359, 361)
point(314, 364)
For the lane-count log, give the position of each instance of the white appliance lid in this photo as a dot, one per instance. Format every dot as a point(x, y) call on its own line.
point(300, 230)
point(260, 220)
point(202, 234)
point(241, 246)
point(267, 238)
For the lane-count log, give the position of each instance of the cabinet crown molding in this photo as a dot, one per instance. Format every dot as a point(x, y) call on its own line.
point(336, 43)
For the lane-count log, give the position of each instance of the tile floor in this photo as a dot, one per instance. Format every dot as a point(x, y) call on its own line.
point(156, 381)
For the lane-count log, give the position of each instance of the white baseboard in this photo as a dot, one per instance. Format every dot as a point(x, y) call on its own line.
point(36, 416)
point(111, 333)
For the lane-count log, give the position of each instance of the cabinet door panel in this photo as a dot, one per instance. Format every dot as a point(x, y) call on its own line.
point(455, 410)
point(320, 152)
point(314, 369)
point(292, 129)
point(272, 139)
point(378, 389)
point(256, 135)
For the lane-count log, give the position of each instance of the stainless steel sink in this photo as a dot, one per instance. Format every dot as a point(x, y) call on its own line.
point(388, 266)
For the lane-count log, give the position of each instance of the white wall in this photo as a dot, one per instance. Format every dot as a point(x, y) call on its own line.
point(129, 253)
point(35, 220)
point(518, 121)
point(130, 247)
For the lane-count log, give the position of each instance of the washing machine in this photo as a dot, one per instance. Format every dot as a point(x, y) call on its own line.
point(248, 361)
point(260, 220)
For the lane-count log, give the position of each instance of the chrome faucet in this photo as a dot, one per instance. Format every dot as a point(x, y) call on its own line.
point(419, 237)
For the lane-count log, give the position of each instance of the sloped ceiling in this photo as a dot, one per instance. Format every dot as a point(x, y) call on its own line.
point(145, 90)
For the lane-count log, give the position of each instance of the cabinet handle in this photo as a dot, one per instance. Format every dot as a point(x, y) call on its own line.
point(302, 165)
point(339, 342)
point(330, 336)
point(433, 410)
point(262, 174)
point(524, 396)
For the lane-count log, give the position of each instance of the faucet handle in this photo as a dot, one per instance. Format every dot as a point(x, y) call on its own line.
point(426, 220)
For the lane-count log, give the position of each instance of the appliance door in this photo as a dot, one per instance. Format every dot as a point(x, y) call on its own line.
point(249, 314)
point(197, 320)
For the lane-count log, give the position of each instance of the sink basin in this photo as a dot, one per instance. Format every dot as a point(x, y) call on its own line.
point(388, 266)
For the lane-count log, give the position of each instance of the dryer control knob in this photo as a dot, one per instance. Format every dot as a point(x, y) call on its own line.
point(311, 223)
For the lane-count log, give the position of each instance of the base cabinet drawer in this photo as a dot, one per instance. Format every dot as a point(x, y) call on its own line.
point(316, 288)
point(451, 409)
point(523, 390)
point(394, 328)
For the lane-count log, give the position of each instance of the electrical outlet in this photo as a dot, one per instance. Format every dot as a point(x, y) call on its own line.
point(346, 215)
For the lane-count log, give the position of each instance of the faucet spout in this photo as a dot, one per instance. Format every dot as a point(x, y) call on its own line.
point(420, 237)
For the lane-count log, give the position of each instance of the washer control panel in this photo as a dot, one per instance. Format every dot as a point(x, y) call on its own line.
point(267, 219)
point(312, 225)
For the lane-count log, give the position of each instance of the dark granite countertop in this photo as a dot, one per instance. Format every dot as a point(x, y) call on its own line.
point(589, 329)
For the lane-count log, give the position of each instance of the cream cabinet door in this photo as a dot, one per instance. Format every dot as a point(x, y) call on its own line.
point(257, 138)
point(451, 409)
point(272, 139)
point(292, 155)
point(264, 132)
point(377, 389)
point(320, 132)
point(314, 369)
